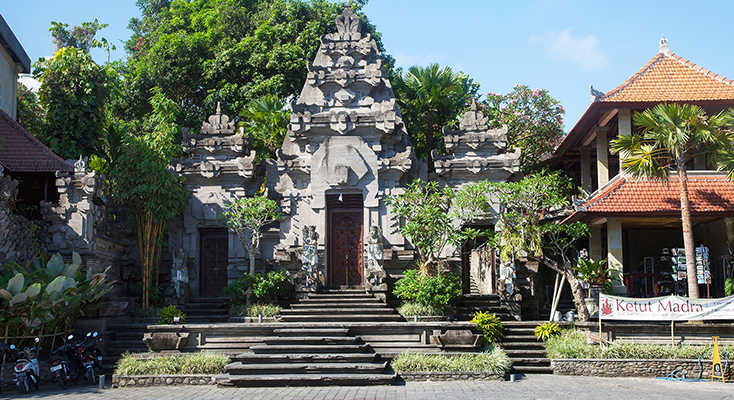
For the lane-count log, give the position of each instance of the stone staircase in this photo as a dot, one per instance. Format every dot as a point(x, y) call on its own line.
point(301, 354)
point(524, 349)
point(206, 310)
point(472, 303)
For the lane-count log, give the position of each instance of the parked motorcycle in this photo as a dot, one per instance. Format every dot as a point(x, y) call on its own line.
point(65, 363)
point(92, 357)
point(26, 369)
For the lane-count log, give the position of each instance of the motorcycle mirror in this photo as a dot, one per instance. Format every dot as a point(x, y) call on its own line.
point(89, 334)
point(12, 347)
point(70, 337)
point(37, 340)
point(95, 334)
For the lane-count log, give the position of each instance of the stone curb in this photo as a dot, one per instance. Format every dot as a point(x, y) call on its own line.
point(161, 380)
point(452, 376)
point(633, 368)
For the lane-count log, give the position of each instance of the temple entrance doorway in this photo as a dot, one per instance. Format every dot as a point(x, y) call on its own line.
point(214, 261)
point(344, 238)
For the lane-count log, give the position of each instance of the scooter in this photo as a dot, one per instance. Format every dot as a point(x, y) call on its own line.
point(92, 357)
point(26, 367)
point(65, 364)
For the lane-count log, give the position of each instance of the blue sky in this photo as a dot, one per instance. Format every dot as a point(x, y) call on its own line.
point(561, 45)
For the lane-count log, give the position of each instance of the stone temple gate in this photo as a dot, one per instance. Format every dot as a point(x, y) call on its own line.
point(345, 152)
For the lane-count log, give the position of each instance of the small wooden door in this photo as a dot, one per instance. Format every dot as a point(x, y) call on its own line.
point(214, 261)
point(345, 240)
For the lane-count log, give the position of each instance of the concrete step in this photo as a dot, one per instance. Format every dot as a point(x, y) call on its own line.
point(344, 300)
point(523, 345)
point(204, 319)
point(519, 331)
point(531, 370)
point(340, 310)
point(238, 368)
point(311, 331)
point(306, 380)
point(308, 340)
point(138, 327)
point(250, 358)
point(525, 353)
point(204, 311)
point(317, 304)
point(342, 318)
point(199, 300)
point(529, 362)
point(129, 336)
point(341, 295)
point(512, 337)
point(306, 349)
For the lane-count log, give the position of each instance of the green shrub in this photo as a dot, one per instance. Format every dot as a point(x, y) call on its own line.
point(410, 309)
point(195, 363)
point(571, 344)
point(267, 287)
point(491, 360)
point(253, 310)
point(490, 325)
point(547, 331)
point(166, 315)
point(443, 290)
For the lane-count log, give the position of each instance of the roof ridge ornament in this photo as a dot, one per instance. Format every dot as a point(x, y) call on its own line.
point(664, 46)
point(348, 25)
point(596, 95)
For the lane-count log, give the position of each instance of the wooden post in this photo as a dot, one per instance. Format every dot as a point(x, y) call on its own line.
point(553, 302)
point(672, 332)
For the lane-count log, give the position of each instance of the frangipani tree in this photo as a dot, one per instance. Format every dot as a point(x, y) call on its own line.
point(247, 216)
point(671, 134)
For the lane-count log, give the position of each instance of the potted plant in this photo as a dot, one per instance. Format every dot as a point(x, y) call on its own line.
point(596, 278)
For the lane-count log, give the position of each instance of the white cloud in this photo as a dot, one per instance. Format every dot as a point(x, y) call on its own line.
point(565, 47)
point(30, 82)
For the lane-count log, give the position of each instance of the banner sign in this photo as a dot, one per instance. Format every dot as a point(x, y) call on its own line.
point(668, 308)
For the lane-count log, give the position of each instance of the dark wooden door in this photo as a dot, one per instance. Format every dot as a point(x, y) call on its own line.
point(214, 261)
point(345, 240)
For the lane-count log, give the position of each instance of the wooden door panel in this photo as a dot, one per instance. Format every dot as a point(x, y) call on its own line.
point(214, 261)
point(346, 248)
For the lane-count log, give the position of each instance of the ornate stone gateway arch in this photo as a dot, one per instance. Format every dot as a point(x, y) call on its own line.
point(345, 152)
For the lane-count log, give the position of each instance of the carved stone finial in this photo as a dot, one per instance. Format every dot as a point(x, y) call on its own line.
point(80, 167)
point(664, 45)
point(348, 24)
point(219, 108)
point(474, 104)
point(596, 95)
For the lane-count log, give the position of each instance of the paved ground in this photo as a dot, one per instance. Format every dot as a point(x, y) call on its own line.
point(530, 387)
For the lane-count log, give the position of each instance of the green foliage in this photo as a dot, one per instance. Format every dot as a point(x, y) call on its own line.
point(233, 51)
point(571, 344)
point(168, 313)
point(30, 114)
point(490, 325)
point(253, 310)
point(729, 286)
point(267, 287)
point(534, 120)
point(491, 360)
point(266, 118)
point(80, 36)
point(142, 181)
point(48, 296)
point(195, 363)
point(430, 98)
point(428, 224)
point(410, 308)
point(440, 292)
point(74, 91)
point(247, 216)
point(547, 330)
point(593, 272)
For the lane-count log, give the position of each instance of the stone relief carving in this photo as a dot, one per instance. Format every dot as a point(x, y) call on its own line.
point(348, 25)
point(310, 258)
point(80, 166)
point(374, 272)
point(218, 123)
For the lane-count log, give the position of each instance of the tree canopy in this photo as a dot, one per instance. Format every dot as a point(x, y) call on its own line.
point(229, 51)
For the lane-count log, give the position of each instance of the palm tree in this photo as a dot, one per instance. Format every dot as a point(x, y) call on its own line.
point(266, 118)
point(429, 98)
point(671, 135)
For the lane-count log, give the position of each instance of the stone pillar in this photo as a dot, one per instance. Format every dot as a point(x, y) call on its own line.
point(615, 252)
point(595, 242)
point(602, 157)
point(624, 124)
point(585, 170)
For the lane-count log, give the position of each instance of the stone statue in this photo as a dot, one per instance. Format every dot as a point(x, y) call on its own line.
point(310, 256)
point(374, 272)
point(8, 189)
point(180, 272)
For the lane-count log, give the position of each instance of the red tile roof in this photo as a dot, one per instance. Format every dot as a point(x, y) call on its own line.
point(20, 151)
point(707, 194)
point(670, 78)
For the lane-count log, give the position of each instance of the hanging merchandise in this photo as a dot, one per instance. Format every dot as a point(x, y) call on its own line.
point(703, 271)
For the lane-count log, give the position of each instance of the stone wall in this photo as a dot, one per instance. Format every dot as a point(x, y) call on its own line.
point(452, 376)
point(16, 239)
point(158, 380)
point(646, 368)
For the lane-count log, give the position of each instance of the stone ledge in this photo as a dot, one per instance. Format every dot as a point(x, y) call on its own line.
point(162, 380)
point(635, 368)
point(452, 376)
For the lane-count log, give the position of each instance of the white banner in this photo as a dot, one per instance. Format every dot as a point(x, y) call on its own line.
point(668, 308)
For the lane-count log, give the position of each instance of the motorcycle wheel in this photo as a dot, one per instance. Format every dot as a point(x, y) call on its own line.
point(25, 386)
point(62, 381)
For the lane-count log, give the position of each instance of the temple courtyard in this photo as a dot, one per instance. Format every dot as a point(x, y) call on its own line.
point(525, 387)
